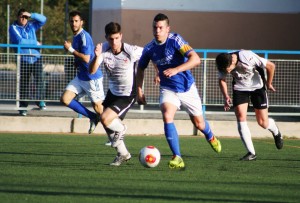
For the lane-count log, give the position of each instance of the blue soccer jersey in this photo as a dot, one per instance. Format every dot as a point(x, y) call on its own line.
point(169, 55)
point(83, 43)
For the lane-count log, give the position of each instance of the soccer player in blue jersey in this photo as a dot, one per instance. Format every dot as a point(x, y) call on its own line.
point(174, 57)
point(84, 83)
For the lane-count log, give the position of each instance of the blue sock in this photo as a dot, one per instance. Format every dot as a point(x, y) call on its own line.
point(207, 132)
point(79, 108)
point(172, 138)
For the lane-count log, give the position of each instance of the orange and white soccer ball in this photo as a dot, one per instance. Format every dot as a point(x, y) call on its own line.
point(149, 156)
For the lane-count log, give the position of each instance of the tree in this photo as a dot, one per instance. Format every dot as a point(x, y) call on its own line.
point(57, 29)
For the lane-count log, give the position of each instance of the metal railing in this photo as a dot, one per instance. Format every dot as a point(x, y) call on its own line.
point(58, 70)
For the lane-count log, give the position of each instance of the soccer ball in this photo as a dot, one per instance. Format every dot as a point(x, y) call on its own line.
point(149, 156)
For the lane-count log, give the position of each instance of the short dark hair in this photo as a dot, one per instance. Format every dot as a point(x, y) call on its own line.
point(75, 13)
point(112, 28)
point(22, 10)
point(161, 17)
point(223, 60)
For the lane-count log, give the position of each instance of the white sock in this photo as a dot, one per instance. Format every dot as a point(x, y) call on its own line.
point(245, 135)
point(121, 149)
point(116, 125)
point(272, 127)
point(110, 133)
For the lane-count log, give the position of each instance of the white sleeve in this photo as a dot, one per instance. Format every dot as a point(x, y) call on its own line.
point(135, 52)
point(261, 62)
point(254, 59)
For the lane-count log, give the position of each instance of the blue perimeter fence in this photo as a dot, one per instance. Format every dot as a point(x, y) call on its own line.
point(58, 72)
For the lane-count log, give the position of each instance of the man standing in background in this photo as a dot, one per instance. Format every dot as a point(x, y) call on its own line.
point(23, 32)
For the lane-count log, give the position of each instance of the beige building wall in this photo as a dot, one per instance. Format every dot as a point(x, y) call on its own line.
point(216, 26)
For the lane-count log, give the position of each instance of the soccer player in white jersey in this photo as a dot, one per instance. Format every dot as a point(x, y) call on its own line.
point(249, 84)
point(84, 83)
point(119, 62)
point(173, 58)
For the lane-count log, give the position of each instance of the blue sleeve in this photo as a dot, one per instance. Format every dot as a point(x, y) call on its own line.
point(182, 46)
point(144, 60)
point(38, 20)
point(87, 47)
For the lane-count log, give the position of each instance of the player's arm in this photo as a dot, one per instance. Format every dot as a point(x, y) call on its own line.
point(83, 57)
point(141, 100)
point(40, 19)
point(224, 91)
point(97, 60)
point(270, 67)
point(192, 62)
point(156, 79)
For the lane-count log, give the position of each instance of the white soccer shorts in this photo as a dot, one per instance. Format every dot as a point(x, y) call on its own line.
point(190, 100)
point(92, 88)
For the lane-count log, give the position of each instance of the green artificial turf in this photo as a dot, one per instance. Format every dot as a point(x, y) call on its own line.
point(75, 168)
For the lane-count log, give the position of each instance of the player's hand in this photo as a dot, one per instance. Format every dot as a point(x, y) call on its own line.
point(141, 100)
point(67, 45)
point(156, 80)
point(98, 49)
point(170, 72)
point(271, 88)
point(227, 103)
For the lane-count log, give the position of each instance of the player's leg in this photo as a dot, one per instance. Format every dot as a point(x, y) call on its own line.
point(240, 104)
point(94, 90)
point(244, 131)
point(116, 108)
point(111, 123)
point(115, 130)
point(192, 103)
point(260, 103)
point(68, 99)
point(169, 104)
point(201, 124)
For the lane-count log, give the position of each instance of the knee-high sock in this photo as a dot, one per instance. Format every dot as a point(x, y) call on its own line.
point(121, 149)
point(172, 138)
point(110, 133)
point(79, 108)
point(272, 127)
point(116, 125)
point(245, 135)
point(207, 132)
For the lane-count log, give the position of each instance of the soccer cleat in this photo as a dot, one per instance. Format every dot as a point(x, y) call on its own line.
point(248, 157)
point(108, 143)
point(176, 163)
point(278, 140)
point(93, 124)
point(215, 144)
point(118, 137)
point(23, 112)
point(120, 159)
